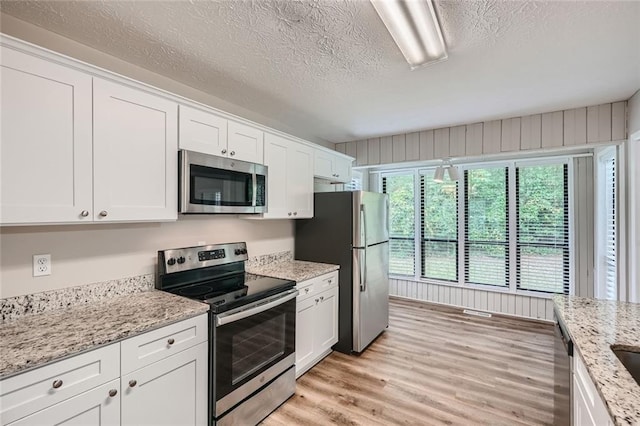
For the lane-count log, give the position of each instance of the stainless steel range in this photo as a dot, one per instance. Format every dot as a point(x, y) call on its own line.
point(251, 328)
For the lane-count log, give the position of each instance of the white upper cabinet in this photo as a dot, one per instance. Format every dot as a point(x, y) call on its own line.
point(332, 167)
point(246, 143)
point(45, 152)
point(208, 133)
point(135, 154)
point(290, 181)
point(202, 131)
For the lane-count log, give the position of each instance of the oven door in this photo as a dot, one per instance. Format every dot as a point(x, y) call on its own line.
point(252, 345)
point(210, 184)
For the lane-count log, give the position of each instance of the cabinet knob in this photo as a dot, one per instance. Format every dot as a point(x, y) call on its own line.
point(295, 213)
point(171, 341)
point(306, 290)
point(224, 151)
point(317, 300)
point(321, 298)
point(232, 153)
point(103, 213)
point(132, 383)
point(113, 393)
point(289, 213)
point(57, 384)
point(330, 281)
point(84, 213)
point(337, 175)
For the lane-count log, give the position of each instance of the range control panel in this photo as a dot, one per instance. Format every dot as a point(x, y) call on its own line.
point(187, 258)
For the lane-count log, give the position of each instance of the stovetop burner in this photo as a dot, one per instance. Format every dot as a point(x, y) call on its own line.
point(216, 277)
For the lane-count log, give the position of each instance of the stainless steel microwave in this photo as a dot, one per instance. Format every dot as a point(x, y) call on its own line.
point(210, 184)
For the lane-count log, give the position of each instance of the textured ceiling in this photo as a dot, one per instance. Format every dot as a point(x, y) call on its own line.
point(329, 68)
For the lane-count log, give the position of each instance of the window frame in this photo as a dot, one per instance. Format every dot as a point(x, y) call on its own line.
point(511, 246)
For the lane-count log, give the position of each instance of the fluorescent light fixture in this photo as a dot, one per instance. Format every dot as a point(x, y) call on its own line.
point(438, 176)
point(414, 27)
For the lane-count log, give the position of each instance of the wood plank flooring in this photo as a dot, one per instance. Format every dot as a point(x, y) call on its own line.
point(433, 366)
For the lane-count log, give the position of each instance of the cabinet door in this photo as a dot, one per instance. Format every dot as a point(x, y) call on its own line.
point(92, 408)
point(342, 169)
point(45, 152)
point(326, 320)
point(323, 165)
point(246, 143)
point(172, 391)
point(581, 413)
point(305, 331)
point(135, 154)
point(300, 180)
point(202, 132)
point(276, 152)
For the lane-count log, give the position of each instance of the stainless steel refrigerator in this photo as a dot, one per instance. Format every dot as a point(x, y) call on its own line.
point(351, 229)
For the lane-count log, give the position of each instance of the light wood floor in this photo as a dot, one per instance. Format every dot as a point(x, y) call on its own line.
point(432, 366)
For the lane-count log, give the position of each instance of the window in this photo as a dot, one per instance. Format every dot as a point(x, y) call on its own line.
point(486, 219)
point(400, 188)
point(439, 223)
point(543, 228)
point(504, 225)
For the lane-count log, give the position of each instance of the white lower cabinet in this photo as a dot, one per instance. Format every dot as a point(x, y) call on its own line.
point(93, 388)
point(98, 407)
point(587, 405)
point(172, 391)
point(316, 320)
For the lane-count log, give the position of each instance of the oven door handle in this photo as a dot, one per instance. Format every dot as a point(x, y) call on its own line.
point(235, 315)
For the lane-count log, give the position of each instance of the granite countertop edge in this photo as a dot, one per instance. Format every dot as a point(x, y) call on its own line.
point(87, 327)
point(593, 340)
point(295, 270)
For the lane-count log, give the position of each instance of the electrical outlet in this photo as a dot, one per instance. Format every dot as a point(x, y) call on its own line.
point(41, 265)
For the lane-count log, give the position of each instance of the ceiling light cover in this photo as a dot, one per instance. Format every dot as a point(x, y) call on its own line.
point(414, 27)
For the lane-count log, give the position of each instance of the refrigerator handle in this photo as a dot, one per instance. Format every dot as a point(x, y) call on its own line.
point(363, 264)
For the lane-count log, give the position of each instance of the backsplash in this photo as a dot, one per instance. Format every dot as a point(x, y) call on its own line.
point(269, 258)
point(16, 307)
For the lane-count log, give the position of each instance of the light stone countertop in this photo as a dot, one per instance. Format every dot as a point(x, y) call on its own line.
point(296, 270)
point(34, 340)
point(595, 325)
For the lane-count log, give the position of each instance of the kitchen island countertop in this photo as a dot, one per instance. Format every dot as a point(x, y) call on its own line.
point(595, 325)
point(296, 270)
point(35, 340)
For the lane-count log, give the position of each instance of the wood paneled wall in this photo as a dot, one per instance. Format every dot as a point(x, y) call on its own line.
point(580, 126)
point(480, 300)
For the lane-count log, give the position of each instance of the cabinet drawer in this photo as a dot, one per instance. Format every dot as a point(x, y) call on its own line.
point(155, 345)
point(35, 390)
point(327, 281)
point(316, 285)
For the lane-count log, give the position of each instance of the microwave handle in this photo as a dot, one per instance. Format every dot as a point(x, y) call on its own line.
point(255, 188)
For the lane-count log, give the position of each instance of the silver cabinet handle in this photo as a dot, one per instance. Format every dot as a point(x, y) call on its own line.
point(132, 383)
point(103, 213)
point(113, 393)
point(84, 213)
point(224, 151)
point(57, 384)
point(232, 153)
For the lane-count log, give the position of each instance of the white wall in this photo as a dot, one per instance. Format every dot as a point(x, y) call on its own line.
point(52, 41)
point(633, 199)
point(84, 254)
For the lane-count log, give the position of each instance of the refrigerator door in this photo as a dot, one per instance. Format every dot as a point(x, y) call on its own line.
point(370, 223)
point(370, 294)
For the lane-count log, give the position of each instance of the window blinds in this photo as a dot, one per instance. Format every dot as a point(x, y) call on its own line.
point(400, 189)
point(486, 220)
point(542, 243)
point(610, 267)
